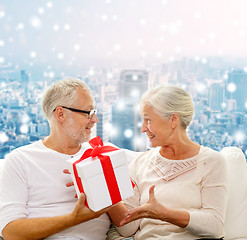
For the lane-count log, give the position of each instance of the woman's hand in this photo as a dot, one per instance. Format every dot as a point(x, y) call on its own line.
point(155, 210)
point(69, 184)
point(151, 209)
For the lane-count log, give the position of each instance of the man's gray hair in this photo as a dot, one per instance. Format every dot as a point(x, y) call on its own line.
point(168, 99)
point(61, 93)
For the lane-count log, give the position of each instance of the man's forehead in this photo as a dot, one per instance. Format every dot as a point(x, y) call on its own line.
point(90, 102)
point(86, 97)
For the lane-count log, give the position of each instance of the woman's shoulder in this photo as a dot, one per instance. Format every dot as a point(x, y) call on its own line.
point(145, 157)
point(210, 156)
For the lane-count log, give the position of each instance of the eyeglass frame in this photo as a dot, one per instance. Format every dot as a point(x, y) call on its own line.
point(90, 113)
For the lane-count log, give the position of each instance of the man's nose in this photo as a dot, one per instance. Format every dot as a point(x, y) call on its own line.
point(95, 118)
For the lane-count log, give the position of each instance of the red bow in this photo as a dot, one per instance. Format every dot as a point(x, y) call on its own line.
point(96, 151)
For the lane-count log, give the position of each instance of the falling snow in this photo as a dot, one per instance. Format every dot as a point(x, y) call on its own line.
point(97, 38)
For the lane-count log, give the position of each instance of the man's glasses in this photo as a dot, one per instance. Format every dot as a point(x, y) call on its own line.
point(89, 113)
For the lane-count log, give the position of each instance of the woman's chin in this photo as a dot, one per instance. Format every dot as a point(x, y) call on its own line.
point(152, 142)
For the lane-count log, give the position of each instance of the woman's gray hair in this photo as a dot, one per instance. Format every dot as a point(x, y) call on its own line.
point(61, 93)
point(168, 99)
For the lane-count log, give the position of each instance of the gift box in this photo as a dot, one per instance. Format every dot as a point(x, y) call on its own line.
point(102, 174)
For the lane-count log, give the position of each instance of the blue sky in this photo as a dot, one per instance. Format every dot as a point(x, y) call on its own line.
point(83, 33)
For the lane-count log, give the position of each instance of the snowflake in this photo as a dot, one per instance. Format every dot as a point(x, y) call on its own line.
point(41, 10)
point(55, 27)
point(3, 137)
point(104, 17)
point(204, 60)
point(114, 17)
point(143, 54)
point(239, 136)
point(2, 14)
point(33, 54)
point(197, 15)
point(172, 59)
point(67, 27)
point(49, 4)
point(128, 133)
point(35, 22)
point(77, 47)
point(20, 26)
point(164, 2)
point(51, 74)
point(197, 59)
point(109, 75)
point(159, 54)
point(231, 87)
point(24, 129)
point(223, 105)
point(178, 49)
point(60, 56)
point(139, 41)
point(200, 87)
point(91, 71)
point(143, 22)
point(117, 47)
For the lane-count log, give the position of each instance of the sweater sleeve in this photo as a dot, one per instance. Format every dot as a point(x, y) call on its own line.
point(13, 194)
point(209, 220)
point(132, 202)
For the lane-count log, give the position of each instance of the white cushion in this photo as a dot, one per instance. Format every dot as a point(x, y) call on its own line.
point(236, 215)
point(1, 164)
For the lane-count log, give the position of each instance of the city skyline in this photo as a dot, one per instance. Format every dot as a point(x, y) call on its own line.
point(217, 90)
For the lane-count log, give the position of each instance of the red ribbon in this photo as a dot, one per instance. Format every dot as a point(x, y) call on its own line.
point(96, 151)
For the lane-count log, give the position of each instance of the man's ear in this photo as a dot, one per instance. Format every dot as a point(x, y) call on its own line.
point(60, 114)
point(174, 119)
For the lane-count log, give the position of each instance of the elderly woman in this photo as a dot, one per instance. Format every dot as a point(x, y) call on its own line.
point(180, 186)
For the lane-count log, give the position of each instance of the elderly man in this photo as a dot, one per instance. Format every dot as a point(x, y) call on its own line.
point(34, 200)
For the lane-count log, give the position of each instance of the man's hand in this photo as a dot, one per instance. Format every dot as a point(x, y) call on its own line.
point(82, 213)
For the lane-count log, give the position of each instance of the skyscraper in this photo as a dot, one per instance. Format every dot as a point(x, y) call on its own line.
point(102, 130)
point(236, 88)
point(24, 79)
point(133, 83)
point(216, 95)
point(126, 120)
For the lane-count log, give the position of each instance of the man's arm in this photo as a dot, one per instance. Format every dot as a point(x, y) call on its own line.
point(39, 228)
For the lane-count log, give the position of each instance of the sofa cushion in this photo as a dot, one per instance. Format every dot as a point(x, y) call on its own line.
point(114, 235)
point(236, 215)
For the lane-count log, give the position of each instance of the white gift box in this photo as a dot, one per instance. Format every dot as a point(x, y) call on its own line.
point(94, 182)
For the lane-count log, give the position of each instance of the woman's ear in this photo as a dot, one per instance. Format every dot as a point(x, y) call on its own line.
point(174, 119)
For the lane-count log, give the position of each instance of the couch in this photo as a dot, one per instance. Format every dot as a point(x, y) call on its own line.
point(236, 216)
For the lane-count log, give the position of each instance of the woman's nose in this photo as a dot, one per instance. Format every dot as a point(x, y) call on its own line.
point(144, 127)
